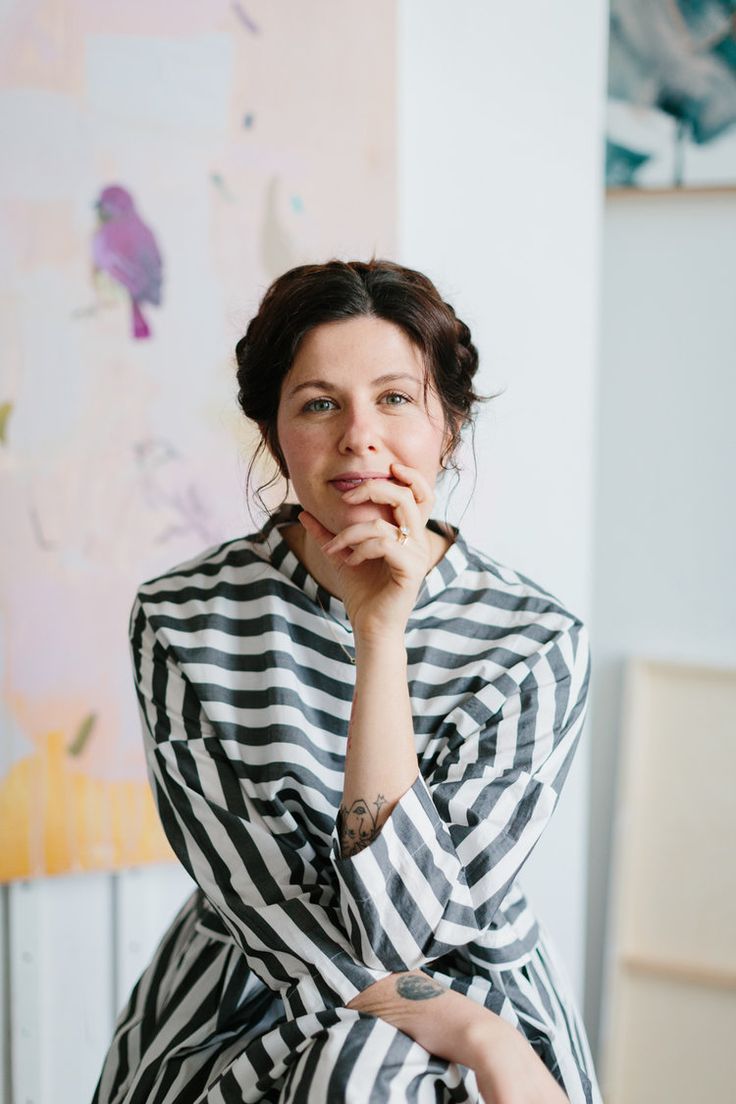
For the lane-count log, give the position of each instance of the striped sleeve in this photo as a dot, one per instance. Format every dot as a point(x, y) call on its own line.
point(231, 848)
point(446, 857)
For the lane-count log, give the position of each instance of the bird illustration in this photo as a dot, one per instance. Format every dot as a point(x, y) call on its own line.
point(124, 248)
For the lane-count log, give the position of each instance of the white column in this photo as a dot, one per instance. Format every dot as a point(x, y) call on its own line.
point(500, 188)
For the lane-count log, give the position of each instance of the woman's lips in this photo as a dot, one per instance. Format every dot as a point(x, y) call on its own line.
point(343, 485)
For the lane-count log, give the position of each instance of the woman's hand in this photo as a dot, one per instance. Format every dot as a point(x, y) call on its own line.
point(380, 575)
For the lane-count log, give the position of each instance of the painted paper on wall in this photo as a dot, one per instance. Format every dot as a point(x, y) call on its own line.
point(161, 166)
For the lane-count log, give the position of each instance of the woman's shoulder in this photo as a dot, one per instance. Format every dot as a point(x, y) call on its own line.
point(500, 630)
point(489, 584)
point(235, 568)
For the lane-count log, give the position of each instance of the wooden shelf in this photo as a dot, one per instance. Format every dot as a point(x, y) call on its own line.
point(681, 971)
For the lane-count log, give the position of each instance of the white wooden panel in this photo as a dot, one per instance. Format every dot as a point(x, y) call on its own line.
point(26, 980)
point(4, 999)
point(61, 986)
point(672, 971)
point(147, 899)
point(674, 1041)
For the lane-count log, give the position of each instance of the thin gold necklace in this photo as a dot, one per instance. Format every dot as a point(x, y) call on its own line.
point(330, 619)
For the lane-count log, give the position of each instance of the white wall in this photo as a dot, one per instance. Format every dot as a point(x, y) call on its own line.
point(500, 124)
point(665, 533)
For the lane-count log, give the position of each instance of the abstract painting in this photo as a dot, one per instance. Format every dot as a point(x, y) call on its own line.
point(162, 164)
point(671, 119)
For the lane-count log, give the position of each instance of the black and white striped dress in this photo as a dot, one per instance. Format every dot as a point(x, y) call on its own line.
point(245, 687)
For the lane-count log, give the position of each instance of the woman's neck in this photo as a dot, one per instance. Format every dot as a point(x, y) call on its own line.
point(301, 544)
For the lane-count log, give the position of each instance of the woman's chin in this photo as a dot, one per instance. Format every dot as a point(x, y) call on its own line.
point(344, 514)
point(336, 516)
point(368, 511)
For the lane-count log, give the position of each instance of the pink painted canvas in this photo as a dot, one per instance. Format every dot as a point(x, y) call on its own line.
point(162, 164)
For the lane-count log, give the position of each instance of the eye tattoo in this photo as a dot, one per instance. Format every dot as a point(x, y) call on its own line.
point(358, 826)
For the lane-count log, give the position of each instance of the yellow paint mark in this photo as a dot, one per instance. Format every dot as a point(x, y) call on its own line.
point(58, 820)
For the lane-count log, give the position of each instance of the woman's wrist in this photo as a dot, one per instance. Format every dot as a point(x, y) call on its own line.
point(380, 641)
point(506, 1065)
point(487, 1032)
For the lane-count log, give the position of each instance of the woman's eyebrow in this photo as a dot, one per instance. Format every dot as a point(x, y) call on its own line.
point(326, 385)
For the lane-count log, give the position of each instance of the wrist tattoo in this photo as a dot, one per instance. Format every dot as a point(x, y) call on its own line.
point(414, 987)
point(357, 826)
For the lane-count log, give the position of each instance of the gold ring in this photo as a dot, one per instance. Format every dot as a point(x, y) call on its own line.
point(403, 534)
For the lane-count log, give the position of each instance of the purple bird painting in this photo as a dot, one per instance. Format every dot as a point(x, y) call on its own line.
point(125, 248)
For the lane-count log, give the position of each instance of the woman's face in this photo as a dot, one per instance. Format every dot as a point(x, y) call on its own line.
point(351, 404)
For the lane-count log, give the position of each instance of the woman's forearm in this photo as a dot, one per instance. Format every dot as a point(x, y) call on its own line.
point(381, 758)
point(452, 1026)
point(443, 1021)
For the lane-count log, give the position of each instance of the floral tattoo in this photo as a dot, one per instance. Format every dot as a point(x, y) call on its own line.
point(357, 825)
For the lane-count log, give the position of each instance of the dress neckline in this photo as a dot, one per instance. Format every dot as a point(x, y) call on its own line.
point(287, 562)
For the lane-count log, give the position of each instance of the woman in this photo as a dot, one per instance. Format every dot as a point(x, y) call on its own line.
point(357, 727)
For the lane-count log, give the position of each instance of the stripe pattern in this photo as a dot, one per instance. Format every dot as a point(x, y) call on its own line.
point(244, 688)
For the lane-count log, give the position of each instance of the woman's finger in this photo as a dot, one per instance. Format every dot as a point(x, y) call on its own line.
point(385, 493)
point(387, 549)
point(321, 535)
point(403, 476)
point(361, 531)
point(377, 539)
point(422, 491)
point(315, 528)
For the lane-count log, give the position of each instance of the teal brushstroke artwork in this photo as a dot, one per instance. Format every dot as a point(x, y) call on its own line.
point(219, 181)
point(622, 164)
point(671, 93)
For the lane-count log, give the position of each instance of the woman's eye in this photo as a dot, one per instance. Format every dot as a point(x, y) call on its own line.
point(318, 405)
point(392, 396)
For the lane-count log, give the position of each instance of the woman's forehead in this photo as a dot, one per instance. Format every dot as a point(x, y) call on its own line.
point(361, 341)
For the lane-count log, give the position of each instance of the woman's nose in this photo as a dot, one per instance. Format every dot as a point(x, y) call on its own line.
point(359, 431)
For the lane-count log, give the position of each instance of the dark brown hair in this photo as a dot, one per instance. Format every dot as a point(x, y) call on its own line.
point(309, 295)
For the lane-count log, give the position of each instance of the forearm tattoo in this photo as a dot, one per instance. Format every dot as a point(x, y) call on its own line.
point(357, 826)
point(416, 987)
